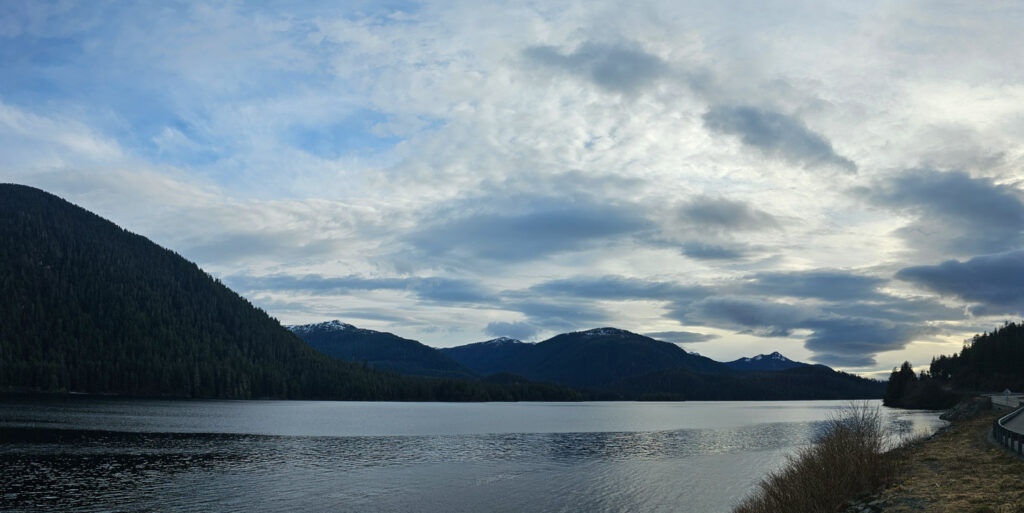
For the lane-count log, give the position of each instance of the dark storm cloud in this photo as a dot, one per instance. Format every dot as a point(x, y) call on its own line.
point(915, 310)
point(954, 211)
point(853, 341)
point(834, 339)
point(516, 330)
point(722, 214)
point(776, 135)
point(621, 69)
point(532, 232)
point(994, 282)
point(704, 251)
point(433, 289)
point(758, 316)
point(681, 337)
point(822, 284)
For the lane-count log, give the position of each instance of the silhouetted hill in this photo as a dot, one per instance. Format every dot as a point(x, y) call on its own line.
point(764, 362)
point(582, 359)
point(89, 307)
point(379, 349)
point(493, 356)
point(614, 363)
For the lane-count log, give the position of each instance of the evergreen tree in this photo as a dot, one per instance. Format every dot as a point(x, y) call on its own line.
point(901, 381)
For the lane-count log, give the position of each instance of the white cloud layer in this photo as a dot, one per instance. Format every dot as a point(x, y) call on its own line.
point(838, 181)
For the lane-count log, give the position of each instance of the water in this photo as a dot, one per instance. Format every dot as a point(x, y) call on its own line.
point(117, 455)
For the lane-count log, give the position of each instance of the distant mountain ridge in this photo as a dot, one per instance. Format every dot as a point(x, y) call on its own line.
point(380, 350)
point(631, 366)
point(587, 359)
point(608, 363)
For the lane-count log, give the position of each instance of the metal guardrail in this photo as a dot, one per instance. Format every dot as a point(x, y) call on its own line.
point(1009, 439)
point(1012, 401)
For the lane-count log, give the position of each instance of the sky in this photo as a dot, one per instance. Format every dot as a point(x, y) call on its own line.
point(837, 181)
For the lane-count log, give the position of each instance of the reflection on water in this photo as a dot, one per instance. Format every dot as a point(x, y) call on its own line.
point(46, 468)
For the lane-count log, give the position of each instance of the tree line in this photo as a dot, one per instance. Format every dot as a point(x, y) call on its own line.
point(988, 362)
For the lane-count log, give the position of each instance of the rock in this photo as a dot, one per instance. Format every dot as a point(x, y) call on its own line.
point(968, 409)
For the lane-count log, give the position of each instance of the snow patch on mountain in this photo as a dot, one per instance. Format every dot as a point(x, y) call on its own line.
point(604, 332)
point(500, 341)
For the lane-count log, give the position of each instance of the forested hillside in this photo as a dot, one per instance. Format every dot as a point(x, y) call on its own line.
point(89, 307)
point(989, 362)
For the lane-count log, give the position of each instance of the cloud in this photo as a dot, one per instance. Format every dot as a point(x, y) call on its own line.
point(899, 309)
point(447, 290)
point(720, 214)
point(620, 69)
point(776, 135)
point(681, 337)
point(617, 288)
point(704, 251)
point(516, 330)
point(852, 341)
point(765, 318)
point(954, 211)
point(558, 315)
point(823, 284)
point(993, 282)
point(228, 248)
point(528, 232)
point(834, 339)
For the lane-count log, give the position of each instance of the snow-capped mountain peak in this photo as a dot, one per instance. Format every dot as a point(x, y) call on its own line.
point(774, 356)
point(503, 340)
point(334, 325)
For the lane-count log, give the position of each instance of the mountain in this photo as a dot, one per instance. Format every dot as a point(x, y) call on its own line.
point(616, 364)
point(493, 356)
point(381, 350)
point(588, 359)
point(764, 362)
point(90, 307)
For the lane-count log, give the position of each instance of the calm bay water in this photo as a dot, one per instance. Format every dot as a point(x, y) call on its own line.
point(117, 455)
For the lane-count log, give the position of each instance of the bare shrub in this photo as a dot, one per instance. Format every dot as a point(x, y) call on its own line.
point(849, 459)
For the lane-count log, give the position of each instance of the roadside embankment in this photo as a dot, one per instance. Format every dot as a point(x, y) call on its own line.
point(958, 470)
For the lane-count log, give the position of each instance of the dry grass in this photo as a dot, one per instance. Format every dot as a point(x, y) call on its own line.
point(959, 471)
point(848, 460)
